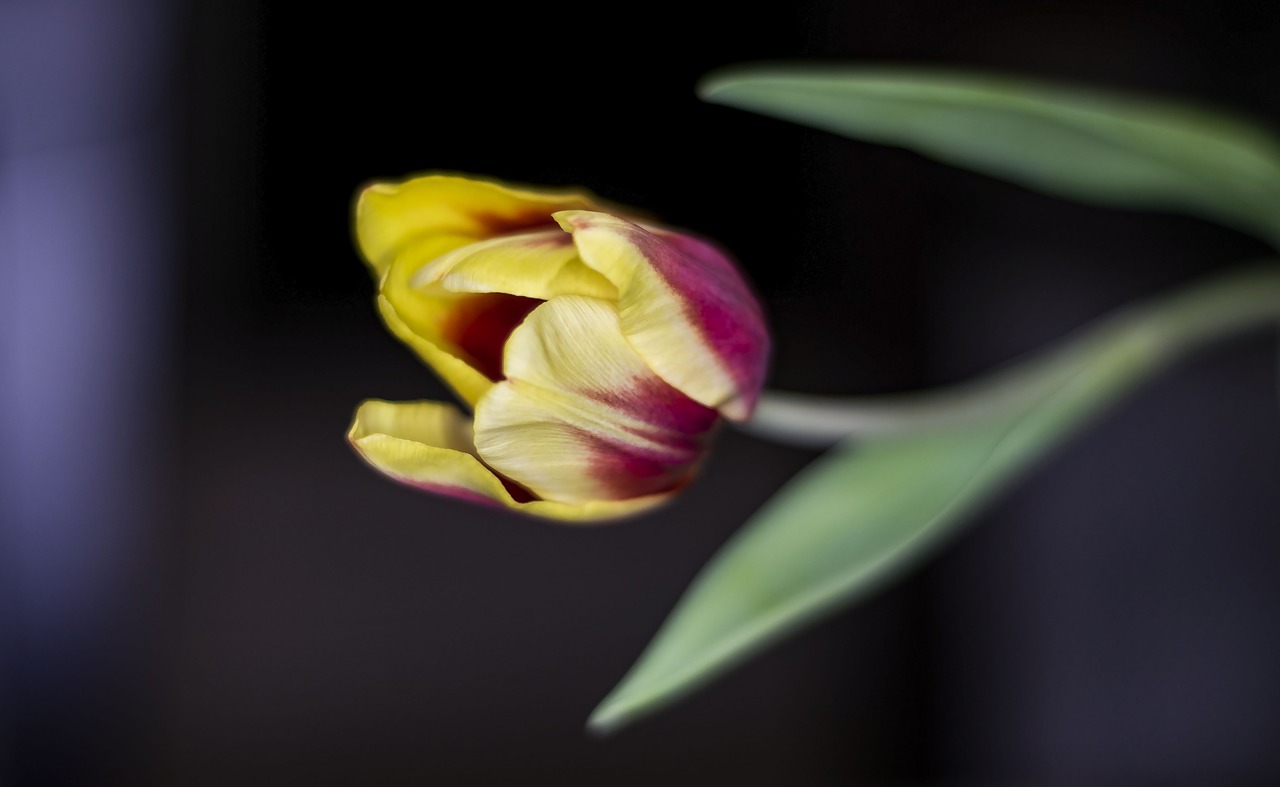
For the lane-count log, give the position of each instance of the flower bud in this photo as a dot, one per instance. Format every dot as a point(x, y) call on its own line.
point(596, 350)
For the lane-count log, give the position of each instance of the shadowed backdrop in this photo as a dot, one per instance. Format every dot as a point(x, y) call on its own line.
point(203, 585)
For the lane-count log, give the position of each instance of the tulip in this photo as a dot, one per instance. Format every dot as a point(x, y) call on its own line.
point(598, 351)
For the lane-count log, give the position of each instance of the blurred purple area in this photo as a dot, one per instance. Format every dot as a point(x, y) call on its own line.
point(200, 584)
point(89, 254)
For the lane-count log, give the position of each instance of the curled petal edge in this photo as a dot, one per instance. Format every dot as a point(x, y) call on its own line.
point(428, 446)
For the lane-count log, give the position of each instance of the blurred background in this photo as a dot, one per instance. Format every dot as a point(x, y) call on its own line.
point(200, 584)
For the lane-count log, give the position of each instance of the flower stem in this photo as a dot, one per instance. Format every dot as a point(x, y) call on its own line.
point(1169, 327)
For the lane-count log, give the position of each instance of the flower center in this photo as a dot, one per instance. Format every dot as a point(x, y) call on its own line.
point(481, 325)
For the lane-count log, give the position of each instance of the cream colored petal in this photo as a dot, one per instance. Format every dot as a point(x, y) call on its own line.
point(427, 445)
point(539, 264)
point(683, 306)
point(581, 416)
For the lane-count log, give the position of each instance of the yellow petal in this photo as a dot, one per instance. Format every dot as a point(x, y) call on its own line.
point(469, 383)
point(582, 417)
point(427, 445)
point(389, 216)
point(455, 302)
point(683, 306)
point(421, 317)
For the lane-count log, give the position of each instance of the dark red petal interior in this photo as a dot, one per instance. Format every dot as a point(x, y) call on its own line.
point(481, 324)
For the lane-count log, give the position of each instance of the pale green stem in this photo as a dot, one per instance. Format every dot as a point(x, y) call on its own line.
point(1176, 323)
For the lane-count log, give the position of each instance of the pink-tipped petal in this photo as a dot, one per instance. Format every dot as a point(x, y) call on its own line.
point(683, 306)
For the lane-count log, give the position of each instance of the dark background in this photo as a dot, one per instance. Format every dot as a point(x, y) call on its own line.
point(204, 586)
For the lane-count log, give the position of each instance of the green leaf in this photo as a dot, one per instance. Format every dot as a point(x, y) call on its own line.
point(866, 511)
point(1093, 146)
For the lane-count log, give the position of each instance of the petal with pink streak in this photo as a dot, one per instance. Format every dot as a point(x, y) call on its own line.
point(582, 417)
point(684, 307)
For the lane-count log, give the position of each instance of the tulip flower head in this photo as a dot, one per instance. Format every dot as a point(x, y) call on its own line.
point(597, 351)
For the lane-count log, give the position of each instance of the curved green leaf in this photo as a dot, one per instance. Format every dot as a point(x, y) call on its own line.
point(1092, 146)
point(864, 512)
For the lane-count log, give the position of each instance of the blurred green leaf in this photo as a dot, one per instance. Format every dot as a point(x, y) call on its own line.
point(1092, 146)
point(864, 512)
